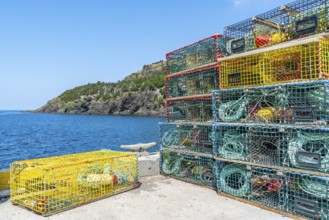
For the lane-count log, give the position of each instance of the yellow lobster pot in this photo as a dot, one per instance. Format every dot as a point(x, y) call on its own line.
point(300, 60)
point(54, 184)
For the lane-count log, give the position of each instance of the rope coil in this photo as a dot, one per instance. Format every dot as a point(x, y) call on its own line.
point(232, 147)
point(235, 179)
point(232, 110)
point(314, 187)
point(275, 105)
point(183, 167)
point(171, 165)
point(111, 176)
point(183, 138)
point(315, 143)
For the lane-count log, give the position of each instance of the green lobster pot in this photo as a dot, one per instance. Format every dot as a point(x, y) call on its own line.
point(303, 148)
point(203, 52)
point(306, 195)
point(305, 103)
point(259, 185)
point(195, 82)
point(187, 137)
point(307, 17)
point(295, 20)
point(187, 167)
point(255, 144)
point(189, 109)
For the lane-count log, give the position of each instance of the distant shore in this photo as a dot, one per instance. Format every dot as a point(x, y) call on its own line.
point(61, 113)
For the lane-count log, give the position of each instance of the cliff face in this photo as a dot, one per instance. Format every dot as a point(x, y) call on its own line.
point(141, 93)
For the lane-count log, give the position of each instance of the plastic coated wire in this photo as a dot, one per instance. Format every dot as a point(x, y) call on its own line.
point(235, 179)
point(267, 113)
point(299, 143)
point(174, 137)
point(314, 187)
point(320, 99)
point(170, 137)
point(207, 176)
point(280, 96)
point(197, 54)
point(232, 146)
point(318, 95)
point(204, 174)
point(320, 12)
point(171, 165)
point(49, 185)
point(297, 63)
point(276, 103)
point(248, 39)
point(232, 110)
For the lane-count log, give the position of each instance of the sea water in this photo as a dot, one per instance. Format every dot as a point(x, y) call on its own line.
point(25, 135)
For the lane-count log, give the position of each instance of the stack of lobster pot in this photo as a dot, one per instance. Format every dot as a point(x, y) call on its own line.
point(186, 138)
point(271, 133)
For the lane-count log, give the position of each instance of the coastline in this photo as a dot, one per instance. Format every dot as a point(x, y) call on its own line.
point(115, 114)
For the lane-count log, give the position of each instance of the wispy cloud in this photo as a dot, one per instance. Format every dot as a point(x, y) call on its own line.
point(238, 3)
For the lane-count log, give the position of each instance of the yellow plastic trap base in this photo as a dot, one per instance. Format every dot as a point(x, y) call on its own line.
point(51, 185)
point(4, 180)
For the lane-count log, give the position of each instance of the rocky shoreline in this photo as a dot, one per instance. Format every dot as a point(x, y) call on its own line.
point(141, 93)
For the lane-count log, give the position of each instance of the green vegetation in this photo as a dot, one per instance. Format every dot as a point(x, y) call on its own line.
point(77, 92)
point(112, 91)
point(145, 83)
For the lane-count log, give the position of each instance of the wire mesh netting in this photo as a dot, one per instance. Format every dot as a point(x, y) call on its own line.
point(262, 145)
point(189, 110)
point(306, 61)
point(200, 53)
point(196, 138)
point(260, 185)
point(308, 149)
point(196, 169)
point(297, 19)
point(296, 193)
point(50, 185)
point(295, 103)
point(294, 147)
point(306, 195)
point(259, 31)
point(307, 17)
point(239, 37)
point(201, 81)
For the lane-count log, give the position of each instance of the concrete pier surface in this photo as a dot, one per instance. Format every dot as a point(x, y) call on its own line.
point(158, 198)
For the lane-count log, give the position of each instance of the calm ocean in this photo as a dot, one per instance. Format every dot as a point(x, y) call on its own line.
point(26, 135)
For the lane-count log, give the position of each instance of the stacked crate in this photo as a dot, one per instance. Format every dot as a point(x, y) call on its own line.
point(271, 133)
point(186, 138)
point(295, 20)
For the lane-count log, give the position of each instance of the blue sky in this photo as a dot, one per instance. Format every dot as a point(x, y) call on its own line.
point(47, 47)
